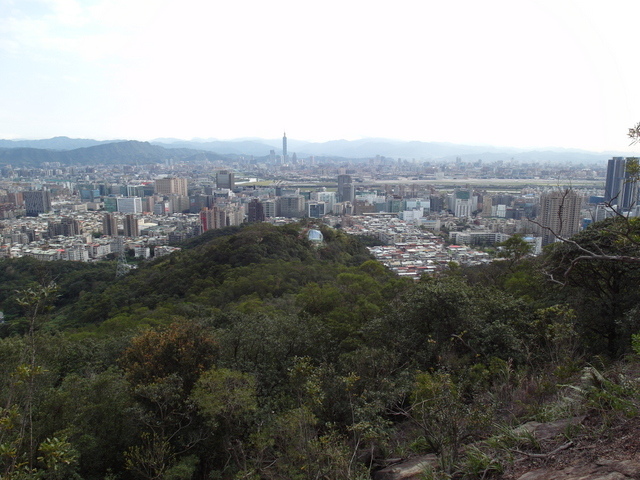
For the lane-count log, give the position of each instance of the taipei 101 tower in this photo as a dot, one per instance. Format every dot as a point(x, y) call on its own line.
point(284, 148)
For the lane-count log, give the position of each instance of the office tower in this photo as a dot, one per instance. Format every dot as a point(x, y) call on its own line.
point(109, 225)
point(619, 189)
point(316, 209)
point(131, 228)
point(225, 179)
point(461, 203)
point(129, 204)
point(559, 215)
point(346, 191)
point(171, 185)
point(111, 204)
point(255, 211)
point(329, 198)
point(270, 208)
point(284, 147)
point(36, 202)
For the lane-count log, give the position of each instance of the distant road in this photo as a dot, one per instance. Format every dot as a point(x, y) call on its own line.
point(500, 183)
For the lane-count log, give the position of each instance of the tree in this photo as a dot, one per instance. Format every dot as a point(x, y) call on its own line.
point(514, 249)
point(162, 367)
point(599, 270)
point(446, 421)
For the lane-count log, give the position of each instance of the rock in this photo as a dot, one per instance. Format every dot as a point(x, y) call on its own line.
point(548, 431)
point(601, 470)
point(408, 470)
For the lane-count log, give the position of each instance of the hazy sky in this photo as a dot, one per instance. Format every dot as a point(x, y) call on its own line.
point(517, 73)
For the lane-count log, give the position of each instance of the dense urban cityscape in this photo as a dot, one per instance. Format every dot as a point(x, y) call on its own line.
point(425, 213)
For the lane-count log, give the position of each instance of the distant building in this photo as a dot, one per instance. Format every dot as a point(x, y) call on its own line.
point(171, 185)
point(131, 228)
point(559, 215)
point(346, 192)
point(255, 211)
point(291, 206)
point(142, 251)
point(212, 218)
point(619, 188)
point(111, 204)
point(178, 203)
point(270, 208)
point(221, 216)
point(462, 203)
point(129, 204)
point(225, 179)
point(316, 209)
point(284, 148)
point(67, 227)
point(109, 225)
point(37, 202)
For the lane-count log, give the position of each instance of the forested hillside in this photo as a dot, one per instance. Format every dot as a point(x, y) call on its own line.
point(255, 353)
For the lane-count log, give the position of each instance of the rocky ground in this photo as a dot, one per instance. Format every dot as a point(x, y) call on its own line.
point(597, 452)
point(582, 448)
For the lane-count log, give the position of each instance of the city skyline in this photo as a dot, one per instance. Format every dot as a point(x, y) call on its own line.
point(528, 74)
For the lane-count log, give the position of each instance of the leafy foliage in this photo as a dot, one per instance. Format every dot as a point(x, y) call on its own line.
point(254, 354)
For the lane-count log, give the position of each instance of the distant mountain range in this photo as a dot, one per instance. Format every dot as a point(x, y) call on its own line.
point(87, 151)
point(118, 152)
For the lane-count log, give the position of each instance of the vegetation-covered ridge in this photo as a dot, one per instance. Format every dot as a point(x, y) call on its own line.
point(254, 353)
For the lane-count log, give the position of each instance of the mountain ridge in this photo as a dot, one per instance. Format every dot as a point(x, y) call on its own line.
point(67, 150)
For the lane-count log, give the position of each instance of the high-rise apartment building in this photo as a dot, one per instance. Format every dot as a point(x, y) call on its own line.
point(255, 211)
point(67, 227)
point(221, 216)
point(171, 185)
point(131, 228)
point(109, 225)
point(559, 215)
point(179, 203)
point(292, 206)
point(620, 189)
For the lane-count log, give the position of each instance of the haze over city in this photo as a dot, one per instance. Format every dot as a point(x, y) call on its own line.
point(527, 74)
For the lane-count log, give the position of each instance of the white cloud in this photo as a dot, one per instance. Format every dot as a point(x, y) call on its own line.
point(533, 72)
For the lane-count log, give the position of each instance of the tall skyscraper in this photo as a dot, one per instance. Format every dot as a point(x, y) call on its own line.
point(619, 189)
point(284, 147)
point(559, 215)
point(346, 191)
